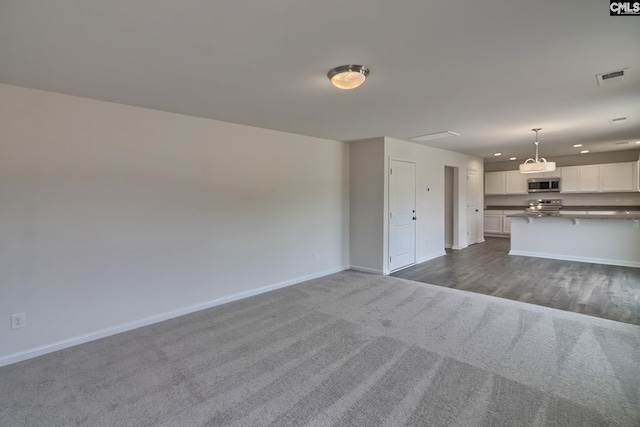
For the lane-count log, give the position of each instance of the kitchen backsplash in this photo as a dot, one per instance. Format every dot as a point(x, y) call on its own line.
point(600, 199)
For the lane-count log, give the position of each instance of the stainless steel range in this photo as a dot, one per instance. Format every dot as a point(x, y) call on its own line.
point(545, 207)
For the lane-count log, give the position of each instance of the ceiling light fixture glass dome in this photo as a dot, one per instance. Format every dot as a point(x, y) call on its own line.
point(348, 76)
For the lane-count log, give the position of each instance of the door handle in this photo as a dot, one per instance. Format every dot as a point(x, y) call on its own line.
point(476, 210)
point(414, 218)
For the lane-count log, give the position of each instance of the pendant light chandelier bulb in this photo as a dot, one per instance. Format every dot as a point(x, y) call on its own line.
point(348, 76)
point(538, 164)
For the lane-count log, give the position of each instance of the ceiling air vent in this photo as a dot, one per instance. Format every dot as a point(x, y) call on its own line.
point(437, 135)
point(618, 120)
point(612, 77)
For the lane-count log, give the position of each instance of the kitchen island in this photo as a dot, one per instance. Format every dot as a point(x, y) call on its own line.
point(599, 237)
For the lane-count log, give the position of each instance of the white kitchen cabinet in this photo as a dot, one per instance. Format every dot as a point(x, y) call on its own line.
point(492, 222)
point(618, 177)
point(509, 182)
point(512, 182)
point(590, 178)
point(494, 183)
point(580, 179)
point(515, 182)
point(570, 182)
point(497, 223)
point(610, 177)
point(506, 221)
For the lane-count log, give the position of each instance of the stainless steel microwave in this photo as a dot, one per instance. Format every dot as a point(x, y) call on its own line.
point(543, 185)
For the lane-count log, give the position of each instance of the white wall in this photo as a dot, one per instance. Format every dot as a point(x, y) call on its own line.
point(112, 216)
point(366, 205)
point(369, 199)
point(430, 199)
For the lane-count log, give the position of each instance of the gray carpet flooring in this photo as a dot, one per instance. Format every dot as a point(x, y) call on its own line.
point(350, 349)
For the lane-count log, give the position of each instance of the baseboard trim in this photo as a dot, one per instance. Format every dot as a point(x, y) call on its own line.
point(620, 263)
point(71, 342)
point(367, 270)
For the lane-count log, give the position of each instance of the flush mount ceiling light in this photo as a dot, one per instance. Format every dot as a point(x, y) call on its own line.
point(348, 76)
point(538, 164)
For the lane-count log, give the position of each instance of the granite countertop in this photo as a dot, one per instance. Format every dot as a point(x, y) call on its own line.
point(505, 208)
point(576, 212)
point(570, 208)
point(631, 215)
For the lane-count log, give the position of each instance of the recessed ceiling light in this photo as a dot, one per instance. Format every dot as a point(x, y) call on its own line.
point(637, 142)
point(577, 145)
point(513, 158)
point(437, 135)
point(498, 154)
point(584, 151)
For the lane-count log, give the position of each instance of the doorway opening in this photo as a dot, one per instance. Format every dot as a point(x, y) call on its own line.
point(451, 199)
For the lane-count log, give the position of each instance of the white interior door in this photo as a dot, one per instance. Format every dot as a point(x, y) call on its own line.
point(472, 206)
point(402, 214)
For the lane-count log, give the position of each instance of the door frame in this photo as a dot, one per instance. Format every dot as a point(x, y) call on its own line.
point(451, 192)
point(478, 206)
point(387, 234)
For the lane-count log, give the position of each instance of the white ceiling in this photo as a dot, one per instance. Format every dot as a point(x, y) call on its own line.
point(488, 69)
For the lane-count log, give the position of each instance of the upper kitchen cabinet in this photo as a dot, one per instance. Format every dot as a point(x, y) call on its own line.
point(613, 177)
point(590, 178)
point(570, 179)
point(618, 177)
point(515, 182)
point(509, 182)
point(555, 174)
point(494, 183)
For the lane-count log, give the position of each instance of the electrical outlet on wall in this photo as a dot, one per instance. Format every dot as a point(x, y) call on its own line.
point(18, 320)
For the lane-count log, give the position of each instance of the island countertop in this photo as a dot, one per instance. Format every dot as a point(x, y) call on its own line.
point(631, 215)
point(572, 208)
point(600, 237)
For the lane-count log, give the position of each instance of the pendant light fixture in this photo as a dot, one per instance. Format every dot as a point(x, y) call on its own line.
point(538, 164)
point(348, 76)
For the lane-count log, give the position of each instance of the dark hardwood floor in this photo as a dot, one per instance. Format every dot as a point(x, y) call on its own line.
point(598, 290)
